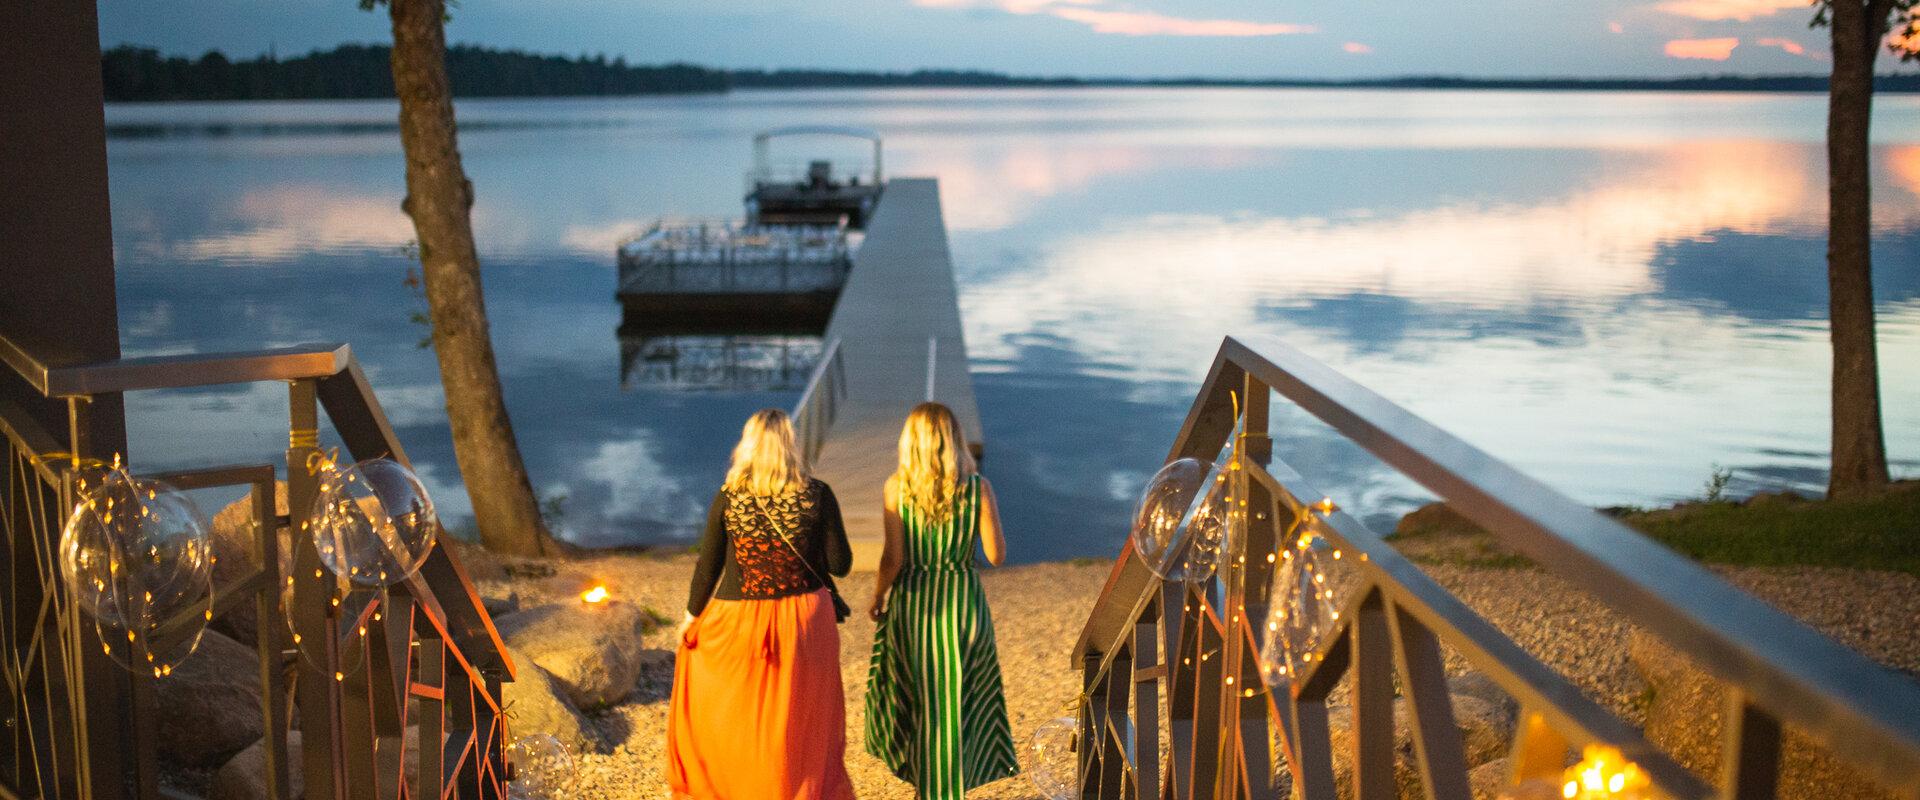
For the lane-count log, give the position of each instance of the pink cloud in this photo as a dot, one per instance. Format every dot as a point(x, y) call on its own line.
point(1788, 45)
point(1356, 48)
point(1741, 10)
point(1708, 49)
point(1139, 23)
point(1126, 23)
point(1616, 27)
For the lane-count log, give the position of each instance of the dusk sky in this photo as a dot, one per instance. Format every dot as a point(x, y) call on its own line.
point(1136, 38)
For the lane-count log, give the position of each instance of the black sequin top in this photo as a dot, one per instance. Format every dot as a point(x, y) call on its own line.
point(743, 555)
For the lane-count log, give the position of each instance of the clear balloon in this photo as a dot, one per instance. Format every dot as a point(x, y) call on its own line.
point(1310, 585)
point(373, 522)
point(1217, 526)
point(542, 768)
point(1159, 523)
point(1053, 761)
point(137, 557)
point(132, 546)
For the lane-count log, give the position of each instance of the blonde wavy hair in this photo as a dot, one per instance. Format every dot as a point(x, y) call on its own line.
point(766, 462)
point(934, 461)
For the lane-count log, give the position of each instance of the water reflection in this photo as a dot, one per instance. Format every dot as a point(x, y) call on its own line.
point(1612, 291)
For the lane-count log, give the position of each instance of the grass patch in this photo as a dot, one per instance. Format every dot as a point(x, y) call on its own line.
point(1876, 533)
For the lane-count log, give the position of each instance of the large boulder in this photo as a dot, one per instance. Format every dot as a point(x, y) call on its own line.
point(234, 544)
point(244, 777)
point(209, 708)
point(593, 651)
point(1486, 732)
point(533, 703)
point(1686, 713)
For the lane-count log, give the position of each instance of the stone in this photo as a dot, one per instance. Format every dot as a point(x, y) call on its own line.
point(244, 777)
point(593, 651)
point(533, 703)
point(234, 542)
point(209, 708)
point(499, 601)
point(1486, 733)
point(1435, 518)
point(1477, 685)
point(1686, 713)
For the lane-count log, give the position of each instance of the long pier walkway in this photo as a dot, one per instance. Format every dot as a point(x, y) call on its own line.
point(896, 341)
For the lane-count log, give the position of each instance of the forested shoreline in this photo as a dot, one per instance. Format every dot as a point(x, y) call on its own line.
point(135, 74)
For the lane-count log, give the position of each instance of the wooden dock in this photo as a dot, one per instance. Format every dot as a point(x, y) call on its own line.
point(899, 343)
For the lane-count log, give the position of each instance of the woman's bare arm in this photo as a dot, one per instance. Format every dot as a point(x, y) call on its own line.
point(993, 540)
point(892, 553)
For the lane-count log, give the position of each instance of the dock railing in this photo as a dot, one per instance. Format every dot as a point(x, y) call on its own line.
point(429, 643)
point(1179, 661)
point(717, 257)
point(819, 403)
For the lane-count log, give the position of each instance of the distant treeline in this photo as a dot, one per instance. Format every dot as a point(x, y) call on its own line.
point(355, 71)
point(351, 71)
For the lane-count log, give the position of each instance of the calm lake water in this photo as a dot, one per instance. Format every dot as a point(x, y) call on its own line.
point(1615, 292)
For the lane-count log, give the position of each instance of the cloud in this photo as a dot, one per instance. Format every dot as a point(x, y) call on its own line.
point(1707, 49)
point(1356, 48)
point(1788, 45)
point(1616, 27)
point(1127, 23)
point(1738, 10)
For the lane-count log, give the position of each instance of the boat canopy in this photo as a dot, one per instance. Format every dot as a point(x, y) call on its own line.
point(762, 144)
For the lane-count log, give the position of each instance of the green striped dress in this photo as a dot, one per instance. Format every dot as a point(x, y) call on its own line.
point(936, 714)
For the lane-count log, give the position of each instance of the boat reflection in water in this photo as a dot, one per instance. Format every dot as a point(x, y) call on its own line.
point(720, 355)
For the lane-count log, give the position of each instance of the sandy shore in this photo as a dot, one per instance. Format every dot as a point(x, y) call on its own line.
point(1039, 610)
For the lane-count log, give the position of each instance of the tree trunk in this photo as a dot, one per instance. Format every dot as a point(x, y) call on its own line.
point(1859, 449)
point(439, 197)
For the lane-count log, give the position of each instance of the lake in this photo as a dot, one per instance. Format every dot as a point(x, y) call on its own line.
point(1616, 292)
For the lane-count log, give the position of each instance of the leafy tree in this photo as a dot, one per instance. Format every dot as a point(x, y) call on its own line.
point(439, 198)
point(1858, 27)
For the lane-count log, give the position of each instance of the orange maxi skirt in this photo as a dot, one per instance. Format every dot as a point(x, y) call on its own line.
point(758, 712)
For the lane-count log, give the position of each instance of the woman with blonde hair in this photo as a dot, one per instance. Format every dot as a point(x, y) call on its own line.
point(757, 709)
point(936, 713)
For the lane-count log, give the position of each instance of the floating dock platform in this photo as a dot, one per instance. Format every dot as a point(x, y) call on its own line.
point(894, 341)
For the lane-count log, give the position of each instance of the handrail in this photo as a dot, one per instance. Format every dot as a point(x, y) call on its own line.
point(1858, 710)
point(176, 371)
point(819, 403)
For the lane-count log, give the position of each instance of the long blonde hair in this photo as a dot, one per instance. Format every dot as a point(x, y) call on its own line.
point(934, 460)
point(766, 462)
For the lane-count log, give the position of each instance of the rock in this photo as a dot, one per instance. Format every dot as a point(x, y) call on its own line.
point(245, 775)
point(499, 601)
point(1489, 779)
point(1486, 734)
point(1684, 718)
point(534, 704)
point(1435, 518)
point(234, 543)
point(209, 708)
point(593, 652)
point(1478, 685)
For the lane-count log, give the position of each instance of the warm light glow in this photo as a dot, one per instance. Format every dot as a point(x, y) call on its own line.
point(1740, 10)
point(597, 594)
point(1604, 773)
point(1707, 49)
point(1126, 23)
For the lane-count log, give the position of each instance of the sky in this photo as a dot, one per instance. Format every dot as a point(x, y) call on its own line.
point(1086, 38)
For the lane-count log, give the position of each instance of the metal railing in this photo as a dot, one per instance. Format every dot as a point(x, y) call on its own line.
point(820, 402)
point(1173, 660)
point(720, 258)
point(429, 641)
point(731, 362)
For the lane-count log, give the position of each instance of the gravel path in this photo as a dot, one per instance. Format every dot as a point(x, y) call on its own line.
point(1039, 609)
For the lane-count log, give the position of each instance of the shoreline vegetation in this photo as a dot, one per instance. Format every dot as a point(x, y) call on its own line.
point(362, 71)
